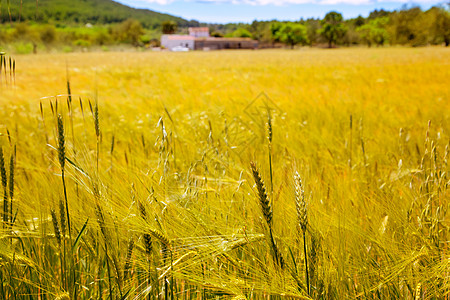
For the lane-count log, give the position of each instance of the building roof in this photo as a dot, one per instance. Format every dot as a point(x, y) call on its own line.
point(198, 29)
point(223, 39)
point(176, 37)
point(179, 37)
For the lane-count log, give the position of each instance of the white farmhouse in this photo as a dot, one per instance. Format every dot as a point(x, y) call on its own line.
point(170, 41)
point(199, 39)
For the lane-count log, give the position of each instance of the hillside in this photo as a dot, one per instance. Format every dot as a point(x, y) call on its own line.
point(82, 11)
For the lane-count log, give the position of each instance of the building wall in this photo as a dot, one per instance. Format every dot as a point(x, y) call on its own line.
point(200, 34)
point(223, 43)
point(171, 41)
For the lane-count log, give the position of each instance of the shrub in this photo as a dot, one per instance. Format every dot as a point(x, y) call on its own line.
point(67, 49)
point(23, 48)
point(82, 43)
point(48, 34)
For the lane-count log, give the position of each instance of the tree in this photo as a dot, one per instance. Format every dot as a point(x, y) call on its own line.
point(439, 28)
point(274, 28)
point(102, 37)
point(216, 34)
point(312, 29)
point(241, 32)
point(406, 27)
point(260, 30)
point(25, 33)
point(374, 31)
point(48, 34)
point(378, 14)
point(292, 34)
point(359, 21)
point(129, 31)
point(169, 27)
point(333, 27)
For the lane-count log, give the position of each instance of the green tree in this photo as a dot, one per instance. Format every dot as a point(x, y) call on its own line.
point(292, 34)
point(274, 28)
point(102, 37)
point(439, 29)
point(242, 32)
point(359, 21)
point(407, 27)
point(350, 37)
point(365, 33)
point(129, 31)
point(216, 34)
point(48, 34)
point(333, 27)
point(312, 29)
point(169, 27)
point(374, 32)
point(378, 14)
point(25, 33)
point(260, 30)
point(4, 37)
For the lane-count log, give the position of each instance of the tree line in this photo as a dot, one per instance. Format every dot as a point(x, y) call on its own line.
point(409, 26)
point(27, 37)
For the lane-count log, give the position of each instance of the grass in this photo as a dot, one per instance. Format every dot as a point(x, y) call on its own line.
point(161, 197)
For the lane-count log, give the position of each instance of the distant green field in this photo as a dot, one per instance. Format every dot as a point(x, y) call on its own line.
point(140, 183)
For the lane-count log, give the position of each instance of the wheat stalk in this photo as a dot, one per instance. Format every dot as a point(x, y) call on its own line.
point(97, 127)
point(61, 143)
point(267, 212)
point(300, 203)
point(4, 184)
point(263, 198)
point(126, 268)
point(269, 138)
point(56, 227)
point(57, 231)
point(62, 215)
point(62, 161)
point(418, 291)
point(147, 238)
point(11, 182)
point(101, 220)
point(302, 215)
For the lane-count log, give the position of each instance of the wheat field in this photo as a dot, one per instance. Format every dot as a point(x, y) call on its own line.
point(317, 174)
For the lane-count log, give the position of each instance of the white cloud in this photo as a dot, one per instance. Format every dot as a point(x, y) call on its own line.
point(287, 2)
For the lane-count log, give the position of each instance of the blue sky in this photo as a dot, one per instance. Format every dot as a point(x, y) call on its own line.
point(223, 11)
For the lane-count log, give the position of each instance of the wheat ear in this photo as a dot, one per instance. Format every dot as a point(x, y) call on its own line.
point(267, 212)
point(302, 215)
point(62, 161)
